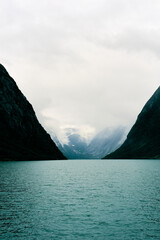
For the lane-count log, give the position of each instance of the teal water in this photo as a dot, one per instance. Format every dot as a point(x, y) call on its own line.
point(95, 199)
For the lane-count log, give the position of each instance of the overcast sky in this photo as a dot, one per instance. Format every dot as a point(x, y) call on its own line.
point(88, 64)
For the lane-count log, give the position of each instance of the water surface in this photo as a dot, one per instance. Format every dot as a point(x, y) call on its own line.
point(94, 199)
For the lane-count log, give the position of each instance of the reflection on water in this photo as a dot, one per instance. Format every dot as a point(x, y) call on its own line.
point(113, 200)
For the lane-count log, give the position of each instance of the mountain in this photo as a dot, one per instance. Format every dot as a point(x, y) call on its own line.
point(21, 135)
point(77, 147)
point(143, 140)
point(106, 142)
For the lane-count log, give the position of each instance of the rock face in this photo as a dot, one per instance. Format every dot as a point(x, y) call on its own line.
point(143, 140)
point(21, 135)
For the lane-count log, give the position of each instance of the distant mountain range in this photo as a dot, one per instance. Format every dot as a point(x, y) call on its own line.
point(143, 140)
point(21, 135)
point(103, 143)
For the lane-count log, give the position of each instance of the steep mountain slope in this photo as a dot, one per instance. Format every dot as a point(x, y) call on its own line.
point(143, 140)
point(21, 135)
point(102, 143)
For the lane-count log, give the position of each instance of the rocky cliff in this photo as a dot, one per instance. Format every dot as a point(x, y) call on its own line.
point(21, 135)
point(143, 140)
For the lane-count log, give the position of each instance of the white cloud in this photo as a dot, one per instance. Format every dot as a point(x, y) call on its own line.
point(82, 63)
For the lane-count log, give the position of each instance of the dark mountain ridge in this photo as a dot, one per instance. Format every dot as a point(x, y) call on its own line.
point(21, 135)
point(143, 140)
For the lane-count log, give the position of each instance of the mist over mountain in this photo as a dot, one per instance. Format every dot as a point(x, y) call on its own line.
point(78, 147)
point(143, 140)
point(106, 141)
point(21, 135)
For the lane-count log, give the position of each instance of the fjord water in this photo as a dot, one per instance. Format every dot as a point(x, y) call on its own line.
point(94, 199)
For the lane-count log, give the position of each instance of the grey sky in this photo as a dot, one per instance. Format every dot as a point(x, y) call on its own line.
point(88, 64)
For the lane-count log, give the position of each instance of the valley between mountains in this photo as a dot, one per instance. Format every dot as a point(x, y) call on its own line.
point(22, 137)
